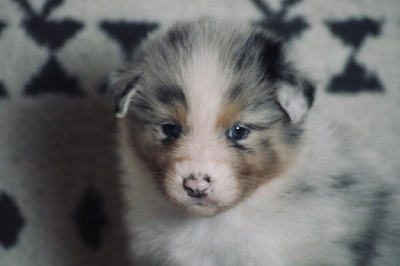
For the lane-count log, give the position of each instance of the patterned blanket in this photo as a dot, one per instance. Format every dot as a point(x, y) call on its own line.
point(59, 191)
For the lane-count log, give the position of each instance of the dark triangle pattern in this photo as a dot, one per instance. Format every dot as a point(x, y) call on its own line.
point(11, 221)
point(53, 79)
point(353, 32)
point(127, 34)
point(3, 92)
point(2, 26)
point(90, 218)
point(279, 22)
point(50, 33)
point(354, 78)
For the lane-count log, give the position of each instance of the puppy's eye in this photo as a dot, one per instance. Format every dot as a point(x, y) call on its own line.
point(238, 132)
point(171, 130)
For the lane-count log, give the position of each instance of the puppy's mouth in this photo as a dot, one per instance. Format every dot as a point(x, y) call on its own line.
point(201, 206)
point(199, 203)
point(205, 201)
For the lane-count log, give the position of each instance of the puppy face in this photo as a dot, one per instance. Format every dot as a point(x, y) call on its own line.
point(213, 110)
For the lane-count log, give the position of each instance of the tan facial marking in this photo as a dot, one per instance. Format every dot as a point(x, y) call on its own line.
point(179, 114)
point(229, 115)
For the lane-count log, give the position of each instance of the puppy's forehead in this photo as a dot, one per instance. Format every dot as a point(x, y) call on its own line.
point(213, 65)
point(205, 82)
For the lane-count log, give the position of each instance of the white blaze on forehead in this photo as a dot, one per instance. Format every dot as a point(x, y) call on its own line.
point(205, 82)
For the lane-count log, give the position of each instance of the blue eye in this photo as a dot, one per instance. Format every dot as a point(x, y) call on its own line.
point(238, 132)
point(171, 130)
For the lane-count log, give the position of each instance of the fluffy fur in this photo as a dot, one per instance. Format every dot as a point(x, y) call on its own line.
point(291, 190)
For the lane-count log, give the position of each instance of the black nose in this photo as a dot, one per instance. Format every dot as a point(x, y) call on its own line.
point(197, 187)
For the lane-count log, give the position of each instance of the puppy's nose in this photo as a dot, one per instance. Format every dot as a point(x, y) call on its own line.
point(197, 187)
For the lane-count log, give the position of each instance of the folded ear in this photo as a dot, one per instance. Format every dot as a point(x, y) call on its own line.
point(121, 84)
point(296, 96)
point(294, 93)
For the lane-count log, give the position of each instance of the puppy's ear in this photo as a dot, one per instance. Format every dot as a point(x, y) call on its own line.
point(296, 96)
point(294, 93)
point(122, 86)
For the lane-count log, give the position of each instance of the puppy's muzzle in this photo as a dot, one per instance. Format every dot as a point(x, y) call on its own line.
point(197, 186)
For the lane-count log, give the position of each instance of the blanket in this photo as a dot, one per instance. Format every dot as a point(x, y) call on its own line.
point(60, 202)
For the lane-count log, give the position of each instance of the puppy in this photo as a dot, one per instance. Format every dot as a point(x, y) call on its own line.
point(223, 164)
